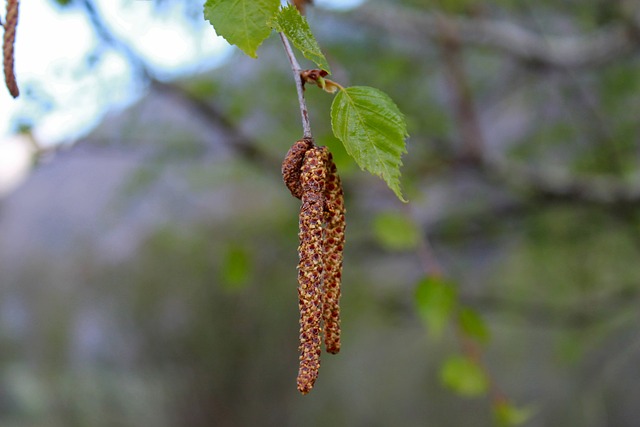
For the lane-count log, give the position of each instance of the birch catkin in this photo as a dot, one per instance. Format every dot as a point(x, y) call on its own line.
point(11, 22)
point(311, 266)
point(292, 165)
point(311, 175)
point(334, 218)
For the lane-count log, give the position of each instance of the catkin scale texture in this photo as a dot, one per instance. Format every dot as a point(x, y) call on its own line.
point(313, 176)
point(292, 166)
point(334, 218)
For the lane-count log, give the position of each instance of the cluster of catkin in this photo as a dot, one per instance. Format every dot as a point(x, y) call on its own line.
point(311, 175)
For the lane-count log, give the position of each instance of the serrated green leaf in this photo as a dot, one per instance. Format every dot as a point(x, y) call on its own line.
point(472, 325)
point(464, 376)
point(242, 22)
point(373, 131)
point(296, 28)
point(507, 415)
point(436, 300)
point(395, 231)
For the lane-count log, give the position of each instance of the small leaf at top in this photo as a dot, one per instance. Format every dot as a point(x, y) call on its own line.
point(295, 27)
point(242, 22)
point(373, 131)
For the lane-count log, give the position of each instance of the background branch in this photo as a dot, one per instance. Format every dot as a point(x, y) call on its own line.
point(595, 49)
point(460, 89)
point(235, 139)
point(560, 184)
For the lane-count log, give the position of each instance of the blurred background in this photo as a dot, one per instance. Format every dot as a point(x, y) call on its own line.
point(148, 246)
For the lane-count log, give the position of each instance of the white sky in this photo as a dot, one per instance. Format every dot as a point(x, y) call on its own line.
point(51, 50)
point(63, 97)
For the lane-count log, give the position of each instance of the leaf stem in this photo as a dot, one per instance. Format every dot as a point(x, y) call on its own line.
point(295, 67)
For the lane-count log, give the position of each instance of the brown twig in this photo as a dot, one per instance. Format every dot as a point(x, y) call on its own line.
point(295, 67)
point(11, 22)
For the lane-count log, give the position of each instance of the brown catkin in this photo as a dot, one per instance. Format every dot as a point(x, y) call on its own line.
point(310, 269)
point(11, 22)
point(333, 246)
point(292, 165)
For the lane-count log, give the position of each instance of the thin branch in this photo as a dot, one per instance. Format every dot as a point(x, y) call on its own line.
point(425, 252)
point(470, 132)
point(295, 67)
point(595, 49)
point(235, 139)
point(103, 32)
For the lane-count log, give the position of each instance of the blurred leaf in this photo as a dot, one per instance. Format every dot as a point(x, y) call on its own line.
point(295, 27)
point(373, 131)
point(436, 301)
point(464, 376)
point(241, 22)
point(395, 231)
point(507, 415)
point(236, 267)
point(473, 325)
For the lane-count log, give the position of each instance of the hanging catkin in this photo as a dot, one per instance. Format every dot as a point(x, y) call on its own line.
point(333, 247)
point(10, 24)
point(311, 175)
point(311, 266)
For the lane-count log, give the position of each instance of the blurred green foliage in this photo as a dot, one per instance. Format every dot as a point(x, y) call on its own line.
point(199, 326)
point(395, 231)
point(464, 376)
point(436, 300)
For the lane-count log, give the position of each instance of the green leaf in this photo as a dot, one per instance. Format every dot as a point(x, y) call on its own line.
point(241, 22)
point(373, 131)
point(507, 415)
point(295, 27)
point(464, 376)
point(473, 325)
point(395, 231)
point(436, 300)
